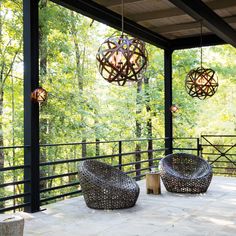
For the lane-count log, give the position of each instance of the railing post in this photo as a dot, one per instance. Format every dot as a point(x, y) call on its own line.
point(84, 148)
point(97, 148)
point(137, 160)
point(31, 110)
point(120, 155)
point(168, 101)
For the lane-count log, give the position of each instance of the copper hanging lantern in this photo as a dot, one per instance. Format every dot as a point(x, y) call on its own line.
point(122, 59)
point(39, 95)
point(201, 82)
point(174, 108)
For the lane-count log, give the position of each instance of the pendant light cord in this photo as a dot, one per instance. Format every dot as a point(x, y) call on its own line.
point(122, 17)
point(201, 43)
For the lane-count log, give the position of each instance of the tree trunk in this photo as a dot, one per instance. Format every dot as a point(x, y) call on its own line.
point(138, 130)
point(97, 140)
point(79, 58)
point(1, 150)
point(7, 60)
point(149, 121)
point(97, 147)
point(13, 139)
point(71, 167)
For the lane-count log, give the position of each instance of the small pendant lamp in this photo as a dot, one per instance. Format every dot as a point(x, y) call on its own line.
point(39, 95)
point(174, 108)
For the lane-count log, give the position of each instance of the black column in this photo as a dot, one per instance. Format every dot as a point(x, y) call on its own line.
point(168, 101)
point(31, 110)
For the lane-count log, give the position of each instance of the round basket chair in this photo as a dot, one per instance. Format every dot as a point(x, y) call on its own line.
point(105, 187)
point(185, 173)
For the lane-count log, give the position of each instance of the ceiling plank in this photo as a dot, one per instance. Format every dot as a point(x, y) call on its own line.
point(186, 26)
point(200, 11)
point(145, 16)
point(153, 15)
point(104, 15)
point(220, 4)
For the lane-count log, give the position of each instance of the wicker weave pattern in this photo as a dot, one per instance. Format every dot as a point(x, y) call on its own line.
point(122, 59)
point(105, 187)
point(201, 83)
point(185, 173)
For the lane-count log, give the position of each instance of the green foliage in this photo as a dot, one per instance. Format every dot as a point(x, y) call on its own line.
point(215, 115)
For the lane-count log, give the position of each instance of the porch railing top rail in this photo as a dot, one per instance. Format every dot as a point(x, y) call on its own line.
point(218, 135)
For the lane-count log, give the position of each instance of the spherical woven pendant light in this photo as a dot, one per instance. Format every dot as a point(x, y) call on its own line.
point(201, 83)
point(122, 59)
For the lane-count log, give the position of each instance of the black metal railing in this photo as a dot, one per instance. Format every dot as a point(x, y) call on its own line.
point(58, 167)
point(12, 178)
point(220, 152)
point(134, 157)
point(187, 144)
point(58, 164)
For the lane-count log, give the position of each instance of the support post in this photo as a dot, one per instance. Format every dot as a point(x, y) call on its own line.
point(31, 110)
point(168, 101)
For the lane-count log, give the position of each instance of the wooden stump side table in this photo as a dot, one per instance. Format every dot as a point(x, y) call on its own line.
point(11, 225)
point(153, 183)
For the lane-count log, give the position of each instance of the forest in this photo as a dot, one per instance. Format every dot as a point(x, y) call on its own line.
point(83, 107)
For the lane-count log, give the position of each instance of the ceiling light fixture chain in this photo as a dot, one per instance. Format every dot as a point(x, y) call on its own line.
point(201, 42)
point(122, 17)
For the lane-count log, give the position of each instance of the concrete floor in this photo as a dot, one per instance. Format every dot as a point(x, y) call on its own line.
point(213, 213)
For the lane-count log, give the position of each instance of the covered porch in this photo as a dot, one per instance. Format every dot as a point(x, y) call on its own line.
point(211, 213)
point(141, 20)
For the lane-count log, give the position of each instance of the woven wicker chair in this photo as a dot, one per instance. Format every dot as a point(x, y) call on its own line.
point(105, 187)
point(185, 173)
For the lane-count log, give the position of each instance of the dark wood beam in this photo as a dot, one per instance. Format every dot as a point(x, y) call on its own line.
point(158, 14)
point(172, 12)
point(200, 11)
point(192, 42)
point(110, 18)
point(113, 3)
point(187, 26)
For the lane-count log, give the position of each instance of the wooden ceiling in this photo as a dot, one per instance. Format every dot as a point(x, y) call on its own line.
point(167, 24)
point(180, 19)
